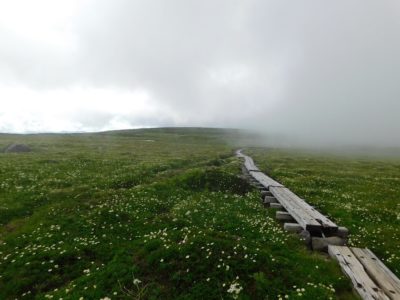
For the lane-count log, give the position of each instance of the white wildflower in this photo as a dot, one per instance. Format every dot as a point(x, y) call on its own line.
point(235, 289)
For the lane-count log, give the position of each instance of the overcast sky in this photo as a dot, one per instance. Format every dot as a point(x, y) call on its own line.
point(311, 69)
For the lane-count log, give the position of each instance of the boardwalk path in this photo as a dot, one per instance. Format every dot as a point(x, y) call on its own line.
point(370, 277)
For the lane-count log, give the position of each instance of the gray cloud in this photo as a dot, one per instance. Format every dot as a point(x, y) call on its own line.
point(313, 70)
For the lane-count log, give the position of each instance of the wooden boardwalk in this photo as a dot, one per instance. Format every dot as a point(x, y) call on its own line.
point(370, 277)
point(305, 215)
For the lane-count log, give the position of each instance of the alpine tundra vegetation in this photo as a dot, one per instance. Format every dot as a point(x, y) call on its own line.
point(165, 214)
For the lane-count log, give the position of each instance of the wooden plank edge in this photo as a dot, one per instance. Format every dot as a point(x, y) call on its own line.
point(379, 272)
point(328, 227)
point(353, 269)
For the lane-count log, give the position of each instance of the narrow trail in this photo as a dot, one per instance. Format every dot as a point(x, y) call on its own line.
point(370, 277)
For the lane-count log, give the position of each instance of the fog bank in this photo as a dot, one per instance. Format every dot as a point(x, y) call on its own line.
point(309, 71)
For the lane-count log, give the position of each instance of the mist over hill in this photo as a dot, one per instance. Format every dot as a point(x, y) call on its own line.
point(309, 72)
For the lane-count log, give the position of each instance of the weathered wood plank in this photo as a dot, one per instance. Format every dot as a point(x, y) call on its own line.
point(249, 164)
point(370, 277)
point(255, 172)
point(276, 206)
point(309, 218)
point(283, 216)
point(264, 179)
point(265, 194)
point(381, 274)
point(292, 227)
point(298, 213)
point(311, 210)
point(248, 161)
point(342, 232)
point(270, 199)
point(352, 267)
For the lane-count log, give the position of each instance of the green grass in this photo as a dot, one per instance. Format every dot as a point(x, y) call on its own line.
point(145, 214)
point(362, 194)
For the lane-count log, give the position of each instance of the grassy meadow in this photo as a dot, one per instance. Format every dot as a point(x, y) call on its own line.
point(164, 214)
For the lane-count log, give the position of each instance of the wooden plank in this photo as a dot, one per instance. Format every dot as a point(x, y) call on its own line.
point(298, 213)
point(239, 153)
point(308, 217)
point(381, 274)
point(264, 179)
point(352, 267)
point(270, 199)
point(248, 161)
point(283, 216)
point(276, 206)
point(255, 172)
point(324, 221)
point(327, 225)
point(292, 227)
point(266, 194)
